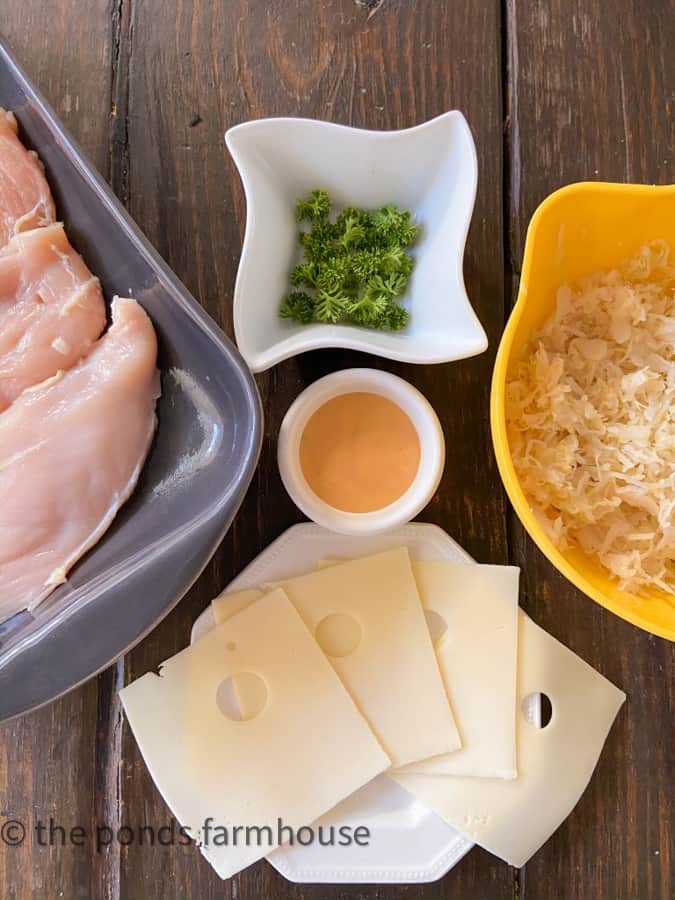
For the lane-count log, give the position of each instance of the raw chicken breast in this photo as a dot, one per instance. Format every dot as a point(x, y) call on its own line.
point(71, 450)
point(25, 198)
point(51, 309)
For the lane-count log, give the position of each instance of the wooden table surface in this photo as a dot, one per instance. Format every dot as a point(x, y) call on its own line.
point(555, 91)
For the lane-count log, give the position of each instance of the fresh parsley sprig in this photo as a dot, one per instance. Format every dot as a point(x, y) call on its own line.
point(353, 267)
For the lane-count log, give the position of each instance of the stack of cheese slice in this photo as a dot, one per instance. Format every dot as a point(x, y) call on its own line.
point(308, 689)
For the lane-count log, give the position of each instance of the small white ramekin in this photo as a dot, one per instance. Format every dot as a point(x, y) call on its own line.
point(420, 413)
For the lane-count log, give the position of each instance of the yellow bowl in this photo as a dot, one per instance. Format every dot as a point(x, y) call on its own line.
point(580, 229)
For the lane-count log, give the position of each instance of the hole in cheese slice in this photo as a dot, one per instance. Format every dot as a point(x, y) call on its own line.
point(537, 709)
point(338, 635)
point(241, 696)
point(436, 624)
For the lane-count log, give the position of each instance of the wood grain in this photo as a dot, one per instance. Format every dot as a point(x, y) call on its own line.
point(590, 97)
point(54, 762)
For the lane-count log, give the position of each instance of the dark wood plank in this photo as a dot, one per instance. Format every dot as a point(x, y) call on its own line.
point(54, 761)
point(591, 98)
point(193, 73)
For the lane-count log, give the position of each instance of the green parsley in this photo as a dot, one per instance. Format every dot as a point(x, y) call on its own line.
point(354, 265)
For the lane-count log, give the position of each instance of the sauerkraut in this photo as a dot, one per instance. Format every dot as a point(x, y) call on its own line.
point(591, 424)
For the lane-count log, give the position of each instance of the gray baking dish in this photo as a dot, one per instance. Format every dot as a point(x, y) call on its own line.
point(201, 463)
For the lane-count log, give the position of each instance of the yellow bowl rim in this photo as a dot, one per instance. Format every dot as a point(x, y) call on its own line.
point(498, 415)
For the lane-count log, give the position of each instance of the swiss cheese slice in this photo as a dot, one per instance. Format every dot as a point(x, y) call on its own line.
point(477, 655)
point(307, 749)
point(512, 819)
point(392, 674)
point(476, 610)
point(228, 604)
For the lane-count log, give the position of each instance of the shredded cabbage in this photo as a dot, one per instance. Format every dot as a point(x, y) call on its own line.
point(591, 423)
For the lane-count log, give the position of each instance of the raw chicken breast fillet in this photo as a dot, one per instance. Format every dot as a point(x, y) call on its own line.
point(71, 450)
point(25, 199)
point(51, 309)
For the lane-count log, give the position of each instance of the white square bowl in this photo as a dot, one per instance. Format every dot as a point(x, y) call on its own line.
point(430, 170)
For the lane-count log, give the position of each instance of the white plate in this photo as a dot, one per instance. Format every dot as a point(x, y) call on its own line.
point(409, 843)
